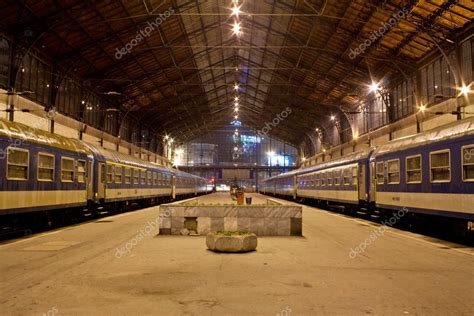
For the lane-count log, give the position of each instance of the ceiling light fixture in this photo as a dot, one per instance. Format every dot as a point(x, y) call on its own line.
point(465, 90)
point(374, 87)
point(237, 29)
point(236, 10)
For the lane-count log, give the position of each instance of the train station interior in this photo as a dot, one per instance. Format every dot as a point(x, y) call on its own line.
point(236, 157)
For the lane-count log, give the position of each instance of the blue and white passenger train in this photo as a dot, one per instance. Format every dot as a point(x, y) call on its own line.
point(40, 171)
point(431, 173)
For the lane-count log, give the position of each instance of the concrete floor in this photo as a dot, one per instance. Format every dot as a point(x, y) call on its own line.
point(79, 271)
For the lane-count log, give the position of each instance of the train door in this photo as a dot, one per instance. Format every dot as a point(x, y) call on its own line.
point(361, 182)
point(373, 183)
point(90, 181)
point(173, 187)
point(102, 181)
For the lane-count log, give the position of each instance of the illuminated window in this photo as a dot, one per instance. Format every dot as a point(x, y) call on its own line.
point(136, 176)
point(393, 172)
point(440, 166)
point(45, 167)
point(128, 175)
point(81, 171)
point(347, 176)
point(18, 161)
point(118, 174)
point(110, 173)
point(414, 169)
point(329, 177)
point(337, 176)
point(143, 176)
point(149, 177)
point(67, 169)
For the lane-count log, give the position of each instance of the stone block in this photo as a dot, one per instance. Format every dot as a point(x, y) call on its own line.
point(177, 211)
point(230, 211)
point(271, 226)
point(191, 211)
point(215, 211)
point(296, 227)
point(243, 223)
point(283, 226)
point(238, 243)
point(257, 226)
point(177, 222)
point(217, 224)
point(204, 225)
point(250, 212)
point(230, 224)
point(165, 222)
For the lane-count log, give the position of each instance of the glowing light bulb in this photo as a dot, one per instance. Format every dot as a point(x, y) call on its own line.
point(465, 90)
point(236, 28)
point(235, 10)
point(374, 87)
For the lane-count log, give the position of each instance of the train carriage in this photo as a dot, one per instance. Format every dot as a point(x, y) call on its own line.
point(40, 171)
point(341, 181)
point(122, 177)
point(429, 173)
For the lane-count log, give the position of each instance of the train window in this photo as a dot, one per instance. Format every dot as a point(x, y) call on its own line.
point(323, 179)
point(81, 171)
point(118, 174)
point(155, 179)
point(347, 176)
point(149, 176)
point(110, 173)
point(143, 177)
point(316, 179)
point(18, 162)
point(136, 176)
point(413, 165)
point(380, 173)
point(393, 171)
point(329, 177)
point(440, 165)
point(337, 177)
point(128, 175)
point(468, 163)
point(67, 169)
point(354, 176)
point(45, 167)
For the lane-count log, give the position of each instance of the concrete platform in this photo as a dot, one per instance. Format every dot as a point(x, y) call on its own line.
point(80, 271)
